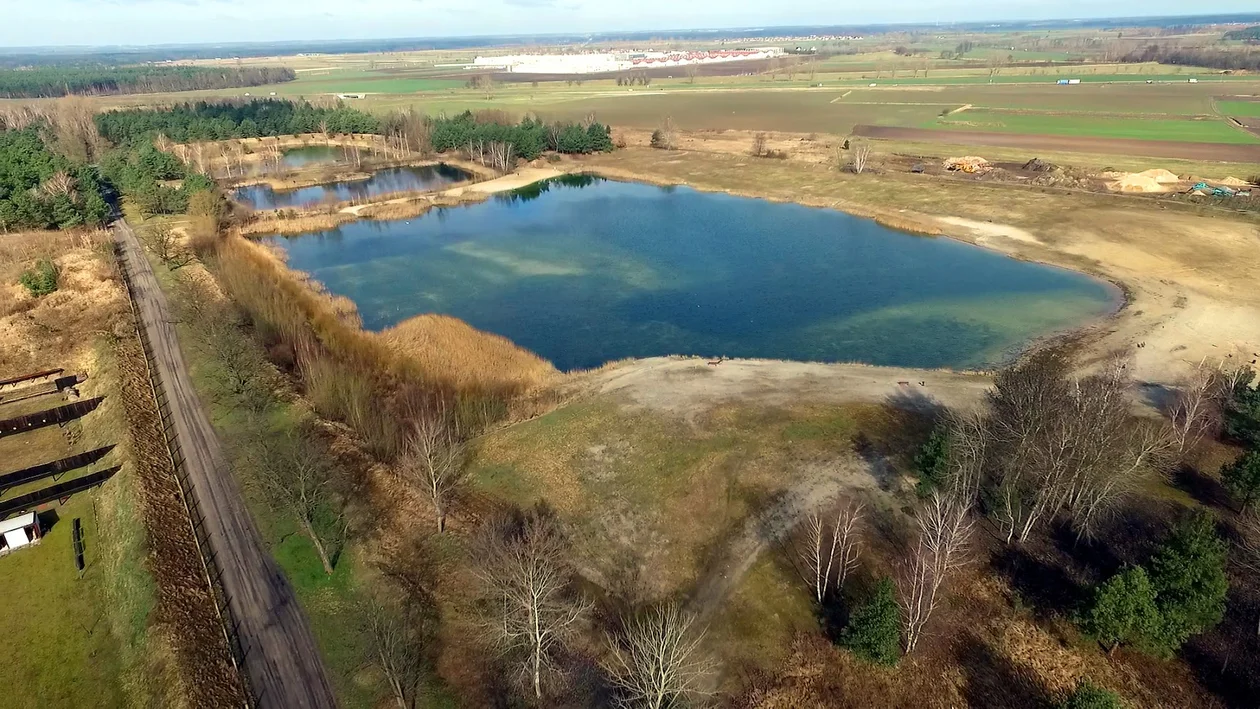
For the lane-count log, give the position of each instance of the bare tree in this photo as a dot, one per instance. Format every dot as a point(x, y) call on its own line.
point(524, 567)
point(656, 660)
point(945, 528)
point(1066, 443)
point(166, 246)
point(665, 137)
point(297, 476)
point(831, 552)
point(691, 70)
point(434, 462)
point(859, 155)
point(1195, 411)
point(1249, 543)
point(758, 145)
point(397, 646)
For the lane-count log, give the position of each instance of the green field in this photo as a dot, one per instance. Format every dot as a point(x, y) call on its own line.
point(1239, 108)
point(62, 651)
point(1199, 131)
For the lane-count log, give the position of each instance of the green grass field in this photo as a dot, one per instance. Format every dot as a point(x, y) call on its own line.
point(1201, 131)
point(1249, 109)
point(62, 652)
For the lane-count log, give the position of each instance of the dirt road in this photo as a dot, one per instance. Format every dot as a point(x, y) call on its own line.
point(281, 658)
point(1223, 152)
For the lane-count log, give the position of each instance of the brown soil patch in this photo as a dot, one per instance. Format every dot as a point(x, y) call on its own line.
point(1110, 146)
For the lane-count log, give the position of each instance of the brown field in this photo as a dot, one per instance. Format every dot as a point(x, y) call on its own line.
point(1033, 143)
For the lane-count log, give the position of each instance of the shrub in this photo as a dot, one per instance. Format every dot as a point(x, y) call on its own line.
point(41, 281)
point(1088, 695)
point(874, 631)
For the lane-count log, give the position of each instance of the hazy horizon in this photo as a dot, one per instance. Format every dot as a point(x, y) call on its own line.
point(104, 23)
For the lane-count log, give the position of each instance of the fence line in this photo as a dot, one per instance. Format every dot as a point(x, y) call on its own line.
point(188, 494)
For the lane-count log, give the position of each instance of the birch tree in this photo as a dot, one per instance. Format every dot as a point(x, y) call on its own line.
point(534, 609)
point(1249, 544)
point(830, 547)
point(434, 461)
point(944, 534)
point(298, 477)
point(397, 647)
point(656, 661)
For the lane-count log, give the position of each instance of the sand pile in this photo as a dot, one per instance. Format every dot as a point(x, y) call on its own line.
point(1138, 184)
point(970, 164)
point(1235, 182)
point(1161, 176)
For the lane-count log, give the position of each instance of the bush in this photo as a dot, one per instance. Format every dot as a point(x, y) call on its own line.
point(1088, 695)
point(41, 281)
point(874, 630)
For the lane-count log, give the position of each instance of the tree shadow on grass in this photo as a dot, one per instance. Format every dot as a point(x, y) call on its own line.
point(1204, 489)
point(992, 680)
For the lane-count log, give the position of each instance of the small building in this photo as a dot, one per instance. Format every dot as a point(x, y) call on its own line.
point(19, 532)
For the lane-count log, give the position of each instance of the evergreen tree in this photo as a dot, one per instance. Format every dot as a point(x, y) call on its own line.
point(1188, 575)
point(1242, 414)
point(931, 461)
point(1088, 695)
point(1124, 611)
point(874, 630)
point(1242, 477)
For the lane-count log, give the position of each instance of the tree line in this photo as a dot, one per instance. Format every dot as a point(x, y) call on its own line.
point(1195, 56)
point(1249, 34)
point(232, 119)
point(527, 139)
point(40, 189)
point(54, 81)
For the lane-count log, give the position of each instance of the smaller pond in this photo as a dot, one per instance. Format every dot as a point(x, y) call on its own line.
point(295, 158)
point(396, 179)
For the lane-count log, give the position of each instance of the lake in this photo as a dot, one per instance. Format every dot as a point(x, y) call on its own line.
point(584, 271)
point(397, 179)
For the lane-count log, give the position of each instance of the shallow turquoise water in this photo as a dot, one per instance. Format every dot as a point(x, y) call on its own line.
point(397, 179)
point(595, 271)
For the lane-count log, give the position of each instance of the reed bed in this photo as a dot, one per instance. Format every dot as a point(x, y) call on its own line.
point(375, 383)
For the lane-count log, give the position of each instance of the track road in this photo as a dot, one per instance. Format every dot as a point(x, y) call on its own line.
point(281, 658)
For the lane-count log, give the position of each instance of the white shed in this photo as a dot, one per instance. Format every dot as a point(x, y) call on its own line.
point(18, 532)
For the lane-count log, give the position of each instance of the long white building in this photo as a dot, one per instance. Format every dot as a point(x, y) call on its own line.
point(603, 63)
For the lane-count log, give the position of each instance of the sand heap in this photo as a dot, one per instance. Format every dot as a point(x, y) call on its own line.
point(1235, 182)
point(970, 164)
point(1147, 182)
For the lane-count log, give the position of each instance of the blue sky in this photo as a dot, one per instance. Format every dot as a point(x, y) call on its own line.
point(62, 22)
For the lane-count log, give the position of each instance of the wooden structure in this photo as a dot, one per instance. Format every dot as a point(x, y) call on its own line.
point(21, 531)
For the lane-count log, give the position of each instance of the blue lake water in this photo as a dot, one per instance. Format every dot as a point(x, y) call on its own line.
point(584, 271)
point(398, 179)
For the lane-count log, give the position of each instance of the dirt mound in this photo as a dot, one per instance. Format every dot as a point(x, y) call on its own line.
point(1161, 176)
point(1039, 165)
point(971, 164)
point(1139, 183)
point(1235, 182)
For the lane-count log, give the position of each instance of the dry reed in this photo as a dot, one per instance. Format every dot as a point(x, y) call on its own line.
point(363, 379)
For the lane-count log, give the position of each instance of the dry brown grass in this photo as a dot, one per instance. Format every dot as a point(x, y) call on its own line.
point(295, 225)
point(440, 343)
point(38, 333)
